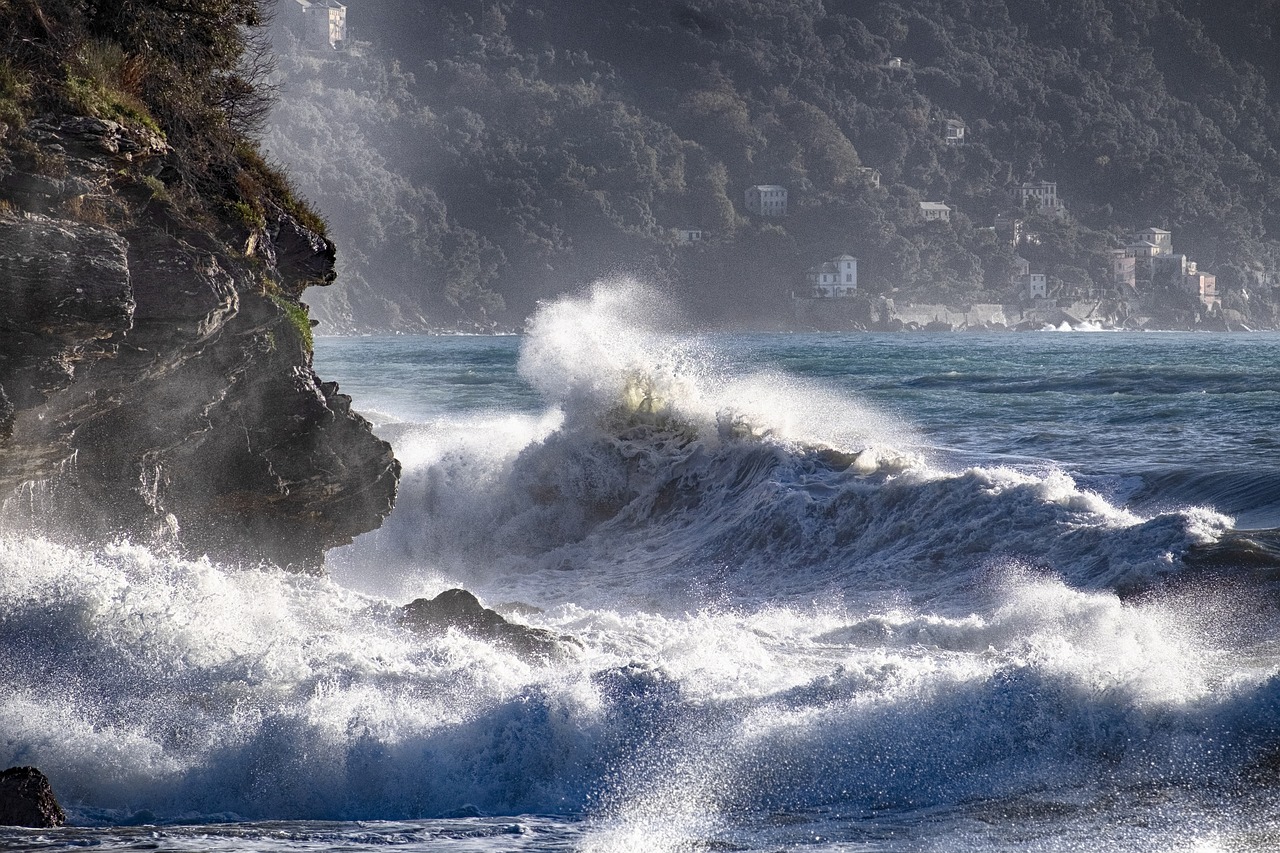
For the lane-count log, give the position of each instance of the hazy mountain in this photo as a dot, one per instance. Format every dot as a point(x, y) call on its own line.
point(473, 157)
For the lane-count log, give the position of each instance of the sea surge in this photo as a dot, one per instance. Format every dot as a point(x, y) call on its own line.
point(797, 619)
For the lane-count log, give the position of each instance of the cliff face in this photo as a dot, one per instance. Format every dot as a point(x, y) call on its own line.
point(155, 368)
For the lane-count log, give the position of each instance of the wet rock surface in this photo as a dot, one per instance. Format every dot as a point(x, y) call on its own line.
point(26, 799)
point(153, 370)
point(462, 611)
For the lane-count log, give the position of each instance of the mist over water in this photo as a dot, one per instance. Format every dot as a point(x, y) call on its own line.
point(885, 592)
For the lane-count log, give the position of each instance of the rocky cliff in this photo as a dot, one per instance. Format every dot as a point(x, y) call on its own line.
point(155, 366)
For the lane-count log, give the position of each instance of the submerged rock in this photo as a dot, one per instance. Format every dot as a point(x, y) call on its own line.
point(26, 799)
point(459, 609)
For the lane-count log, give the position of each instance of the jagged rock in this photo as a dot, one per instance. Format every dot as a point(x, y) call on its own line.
point(26, 799)
point(180, 285)
point(61, 273)
point(34, 189)
point(459, 609)
point(145, 345)
point(303, 257)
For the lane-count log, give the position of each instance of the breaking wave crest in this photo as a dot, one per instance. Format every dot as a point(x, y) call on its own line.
point(660, 475)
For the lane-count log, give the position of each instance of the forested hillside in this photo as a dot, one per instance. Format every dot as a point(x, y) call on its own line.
point(475, 156)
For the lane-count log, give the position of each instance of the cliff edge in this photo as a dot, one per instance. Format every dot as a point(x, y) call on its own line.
point(155, 359)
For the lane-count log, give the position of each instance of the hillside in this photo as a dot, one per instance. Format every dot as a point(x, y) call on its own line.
point(474, 157)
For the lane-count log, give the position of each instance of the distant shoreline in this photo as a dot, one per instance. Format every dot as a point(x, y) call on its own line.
point(747, 330)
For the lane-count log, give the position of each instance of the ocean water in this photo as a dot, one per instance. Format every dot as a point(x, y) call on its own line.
point(825, 592)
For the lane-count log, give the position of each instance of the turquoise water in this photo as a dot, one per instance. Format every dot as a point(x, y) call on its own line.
point(1192, 416)
point(843, 592)
point(1096, 399)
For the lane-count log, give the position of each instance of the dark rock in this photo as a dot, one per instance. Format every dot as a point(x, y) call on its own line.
point(33, 189)
point(459, 609)
point(6, 416)
point(146, 347)
point(61, 280)
point(26, 799)
point(64, 295)
point(467, 810)
point(180, 285)
point(303, 257)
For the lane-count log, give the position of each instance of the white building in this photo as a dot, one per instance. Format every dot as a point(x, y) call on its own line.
point(1158, 237)
point(767, 200)
point(1036, 284)
point(935, 211)
point(319, 23)
point(1143, 250)
point(837, 277)
point(1041, 197)
point(689, 235)
point(954, 133)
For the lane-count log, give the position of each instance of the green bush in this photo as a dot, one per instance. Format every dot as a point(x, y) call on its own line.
point(94, 98)
point(15, 91)
point(159, 191)
point(247, 214)
point(258, 180)
point(298, 319)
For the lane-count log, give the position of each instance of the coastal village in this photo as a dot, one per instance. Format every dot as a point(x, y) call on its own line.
point(1151, 285)
point(1148, 281)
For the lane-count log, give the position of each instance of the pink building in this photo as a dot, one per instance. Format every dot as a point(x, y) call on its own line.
point(1124, 268)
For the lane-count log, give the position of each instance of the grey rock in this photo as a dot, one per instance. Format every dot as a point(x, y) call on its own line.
point(459, 609)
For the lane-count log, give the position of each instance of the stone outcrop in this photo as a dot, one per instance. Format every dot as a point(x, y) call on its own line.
point(462, 611)
point(154, 365)
point(26, 799)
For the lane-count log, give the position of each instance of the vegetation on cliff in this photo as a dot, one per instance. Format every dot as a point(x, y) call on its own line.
point(151, 263)
point(480, 153)
point(193, 72)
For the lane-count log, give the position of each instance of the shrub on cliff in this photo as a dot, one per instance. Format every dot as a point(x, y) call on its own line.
point(14, 94)
point(193, 70)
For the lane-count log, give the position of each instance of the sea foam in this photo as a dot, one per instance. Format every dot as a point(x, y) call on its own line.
point(782, 604)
